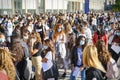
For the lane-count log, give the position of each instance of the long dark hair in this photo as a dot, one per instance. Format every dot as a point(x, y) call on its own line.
point(102, 51)
point(50, 45)
point(78, 41)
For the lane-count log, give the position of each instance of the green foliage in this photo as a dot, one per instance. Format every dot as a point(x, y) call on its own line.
point(116, 6)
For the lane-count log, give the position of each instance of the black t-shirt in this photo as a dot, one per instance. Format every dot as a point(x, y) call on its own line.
point(40, 30)
point(39, 47)
point(92, 73)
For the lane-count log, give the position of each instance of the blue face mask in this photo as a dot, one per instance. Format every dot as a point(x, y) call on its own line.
point(2, 40)
point(45, 47)
point(59, 29)
point(118, 33)
point(82, 42)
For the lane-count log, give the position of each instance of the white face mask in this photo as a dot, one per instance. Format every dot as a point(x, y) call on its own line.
point(59, 29)
point(82, 42)
point(2, 40)
point(45, 47)
point(34, 40)
point(25, 37)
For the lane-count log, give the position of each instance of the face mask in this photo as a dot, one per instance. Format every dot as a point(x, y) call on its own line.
point(2, 40)
point(82, 42)
point(25, 37)
point(33, 39)
point(118, 33)
point(59, 29)
point(45, 47)
point(98, 29)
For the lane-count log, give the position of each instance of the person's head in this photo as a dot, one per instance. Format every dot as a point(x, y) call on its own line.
point(85, 23)
point(82, 29)
point(2, 38)
point(58, 28)
point(67, 28)
point(100, 30)
point(112, 25)
point(25, 34)
point(35, 36)
point(7, 64)
point(102, 51)
point(48, 45)
point(57, 31)
point(90, 58)
point(17, 32)
point(81, 41)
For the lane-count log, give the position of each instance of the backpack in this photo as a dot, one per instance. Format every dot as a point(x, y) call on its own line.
point(112, 69)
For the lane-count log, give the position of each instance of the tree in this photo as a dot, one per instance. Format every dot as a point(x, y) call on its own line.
point(116, 6)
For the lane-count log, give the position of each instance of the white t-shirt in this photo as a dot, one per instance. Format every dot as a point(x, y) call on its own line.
point(47, 65)
point(88, 33)
point(9, 29)
point(94, 22)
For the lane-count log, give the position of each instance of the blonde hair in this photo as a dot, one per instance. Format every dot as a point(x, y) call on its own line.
point(67, 27)
point(7, 64)
point(90, 58)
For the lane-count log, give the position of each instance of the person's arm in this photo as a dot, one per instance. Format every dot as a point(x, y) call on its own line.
point(32, 50)
point(47, 57)
point(44, 60)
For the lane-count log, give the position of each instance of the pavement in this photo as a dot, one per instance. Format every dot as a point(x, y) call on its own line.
point(61, 71)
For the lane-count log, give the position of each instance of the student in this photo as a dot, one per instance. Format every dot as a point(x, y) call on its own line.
point(94, 67)
point(48, 56)
point(35, 48)
point(100, 34)
point(59, 39)
point(107, 61)
point(76, 58)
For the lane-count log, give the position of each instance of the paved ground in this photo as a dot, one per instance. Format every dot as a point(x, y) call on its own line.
point(61, 71)
point(67, 76)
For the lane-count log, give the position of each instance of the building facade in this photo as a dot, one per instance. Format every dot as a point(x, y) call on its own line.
point(41, 6)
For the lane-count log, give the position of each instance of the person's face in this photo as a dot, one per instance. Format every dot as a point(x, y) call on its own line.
point(59, 28)
point(112, 26)
point(82, 41)
point(45, 46)
point(25, 36)
point(2, 38)
point(33, 38)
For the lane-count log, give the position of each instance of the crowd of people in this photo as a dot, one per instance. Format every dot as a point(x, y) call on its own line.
point(32, 44)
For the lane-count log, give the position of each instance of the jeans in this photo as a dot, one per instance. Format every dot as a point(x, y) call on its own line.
point(83, 75)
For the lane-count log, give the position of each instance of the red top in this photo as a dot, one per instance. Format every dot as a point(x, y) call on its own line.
point(3, 76)
point(95, 38)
